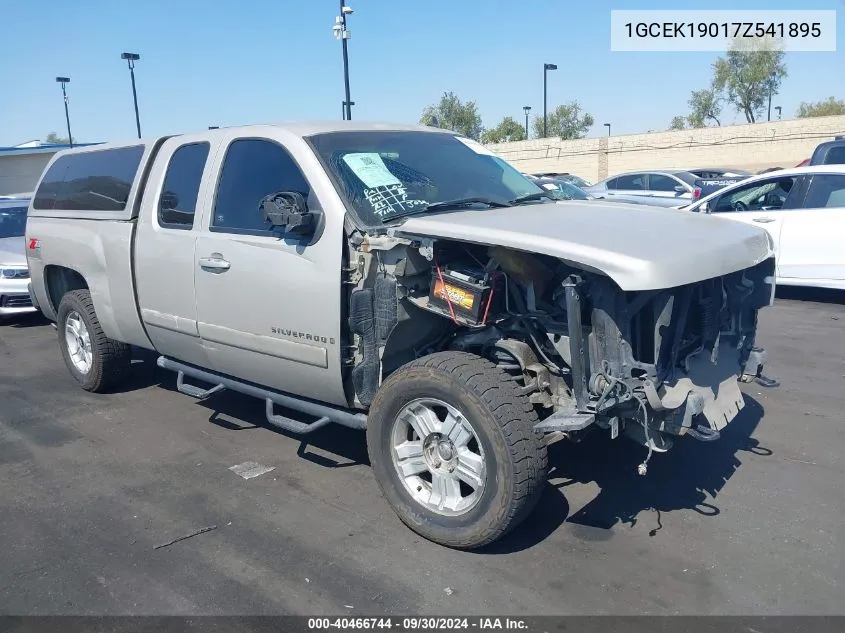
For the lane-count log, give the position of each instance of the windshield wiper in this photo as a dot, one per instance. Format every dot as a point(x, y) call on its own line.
point(462, 202)
point(446, 205)
point(532, 196)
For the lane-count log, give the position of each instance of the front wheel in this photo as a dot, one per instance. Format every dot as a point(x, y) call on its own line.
point(454, 450)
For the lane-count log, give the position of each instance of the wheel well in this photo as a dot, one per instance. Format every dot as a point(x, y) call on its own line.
point(59, 280)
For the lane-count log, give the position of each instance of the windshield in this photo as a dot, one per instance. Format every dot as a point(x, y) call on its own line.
point(563, 190)
point(12, 222)
point(386, 174)
point(575, 180)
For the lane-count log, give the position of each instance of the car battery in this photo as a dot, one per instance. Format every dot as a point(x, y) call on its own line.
point(469, 290)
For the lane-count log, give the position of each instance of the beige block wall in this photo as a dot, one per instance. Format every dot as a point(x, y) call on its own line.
point(752, 146)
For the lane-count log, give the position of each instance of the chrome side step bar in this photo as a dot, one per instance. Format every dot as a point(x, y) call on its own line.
point(324, 414)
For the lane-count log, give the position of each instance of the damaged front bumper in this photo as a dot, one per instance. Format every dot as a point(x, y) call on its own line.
point(666, 365)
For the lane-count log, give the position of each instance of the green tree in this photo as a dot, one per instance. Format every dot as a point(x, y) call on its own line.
point(567, 121)
point(453, 114)
point(705, 106)
point(507, 130)
point(54, 138)
point(748, 77)
point(678, 123)
point(826, 107)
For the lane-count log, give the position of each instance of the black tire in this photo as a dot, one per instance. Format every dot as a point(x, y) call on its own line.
point(503, 420)
point(110, 360)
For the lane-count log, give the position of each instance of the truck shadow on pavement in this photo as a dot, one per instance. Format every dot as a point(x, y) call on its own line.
point(688, 477)
point(338, 446)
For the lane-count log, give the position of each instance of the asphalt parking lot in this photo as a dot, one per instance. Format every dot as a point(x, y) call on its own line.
point(91, 484)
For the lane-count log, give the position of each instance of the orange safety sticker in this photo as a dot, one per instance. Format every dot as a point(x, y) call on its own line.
point(457, 296)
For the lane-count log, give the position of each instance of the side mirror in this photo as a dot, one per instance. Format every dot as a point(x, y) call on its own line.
point(288, 211)
point(680, 189)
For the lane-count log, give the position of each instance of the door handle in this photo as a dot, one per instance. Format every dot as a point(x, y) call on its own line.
point(214, 263)
point(763, 220)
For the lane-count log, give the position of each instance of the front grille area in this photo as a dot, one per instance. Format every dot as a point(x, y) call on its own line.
point(15, 301)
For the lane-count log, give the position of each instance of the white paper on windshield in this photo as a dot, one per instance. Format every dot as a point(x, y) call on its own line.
point(475, 146)
point(370, 168)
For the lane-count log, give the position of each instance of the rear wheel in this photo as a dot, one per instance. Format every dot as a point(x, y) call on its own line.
point(94, 360)
point(454, 450)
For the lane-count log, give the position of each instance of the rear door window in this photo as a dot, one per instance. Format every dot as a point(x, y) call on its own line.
point(632, 181)
point(660, 182)
point(177, 202)
point(98, 180)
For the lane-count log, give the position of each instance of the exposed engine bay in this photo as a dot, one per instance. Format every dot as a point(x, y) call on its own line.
point(650, 365)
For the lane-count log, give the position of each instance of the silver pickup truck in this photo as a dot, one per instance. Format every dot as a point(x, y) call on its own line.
point(405, 281)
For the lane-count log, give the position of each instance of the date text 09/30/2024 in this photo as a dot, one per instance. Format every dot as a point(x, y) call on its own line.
point(481, 623)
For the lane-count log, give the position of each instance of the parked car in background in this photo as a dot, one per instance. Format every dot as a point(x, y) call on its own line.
point(14, 272)
point(570, 178)
point(676, 188)
point(829, 153)
point(803, 209)
point(665, 188)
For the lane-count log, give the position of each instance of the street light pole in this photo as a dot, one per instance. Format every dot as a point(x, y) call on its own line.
point(526, 109)
point(607, 125)
point(342, 33)
point(63, 81)
point(546, 69)
point(779, 109)
point(770, 103)
point(131, 58)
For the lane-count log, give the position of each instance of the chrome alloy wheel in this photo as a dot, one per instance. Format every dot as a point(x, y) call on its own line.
point(438, 456)
point(78, 342)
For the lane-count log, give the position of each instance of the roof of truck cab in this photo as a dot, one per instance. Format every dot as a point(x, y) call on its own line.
point(299, 128)
point(309, 128)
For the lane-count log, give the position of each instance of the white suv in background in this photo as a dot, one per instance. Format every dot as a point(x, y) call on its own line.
point(14, 272)
point(803, 209)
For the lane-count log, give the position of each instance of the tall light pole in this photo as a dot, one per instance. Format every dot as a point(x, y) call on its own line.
point(342, 33)
point(778, 108)
point(607, 125)
point(63, 81)
point(526, 109)
point(546, 69)
point(131, 58)
point(769, 118)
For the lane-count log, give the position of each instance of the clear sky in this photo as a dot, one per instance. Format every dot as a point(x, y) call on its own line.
point(223, 63)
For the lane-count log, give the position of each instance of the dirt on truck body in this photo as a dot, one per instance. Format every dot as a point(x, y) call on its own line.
point(405, 281)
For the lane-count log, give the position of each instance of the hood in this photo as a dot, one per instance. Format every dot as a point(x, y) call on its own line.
point(13, 250)
point(640, 247)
